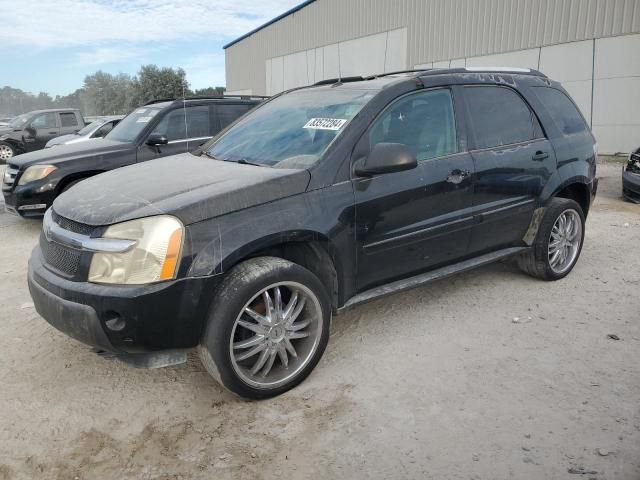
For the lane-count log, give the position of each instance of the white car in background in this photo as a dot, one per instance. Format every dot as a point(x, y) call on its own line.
point(96, 129)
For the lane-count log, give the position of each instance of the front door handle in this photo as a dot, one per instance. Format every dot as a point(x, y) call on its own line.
point(539, 156)
point(457, 176)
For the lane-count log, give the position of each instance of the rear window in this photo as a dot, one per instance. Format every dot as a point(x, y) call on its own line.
point(562, 110)
point(500, 117)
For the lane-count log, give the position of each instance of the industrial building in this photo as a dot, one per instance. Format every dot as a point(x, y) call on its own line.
point(591, 46)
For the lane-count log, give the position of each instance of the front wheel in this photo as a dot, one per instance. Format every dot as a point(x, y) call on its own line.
point(7, 151)
point(267, 329)
point(558, 243)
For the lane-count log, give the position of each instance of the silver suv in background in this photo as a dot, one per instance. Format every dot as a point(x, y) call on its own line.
point(96, 129)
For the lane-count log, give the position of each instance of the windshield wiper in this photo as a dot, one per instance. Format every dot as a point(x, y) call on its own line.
point(242, 161)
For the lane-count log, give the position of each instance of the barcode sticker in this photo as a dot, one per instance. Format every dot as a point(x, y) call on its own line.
point(325, 123)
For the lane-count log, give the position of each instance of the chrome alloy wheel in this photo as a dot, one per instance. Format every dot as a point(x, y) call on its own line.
point(564, 242)
point(5, 152)
point(276, 334)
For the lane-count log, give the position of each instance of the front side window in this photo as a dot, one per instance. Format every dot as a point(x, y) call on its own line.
point(500, 117)
point(133, 124)
point(89, 128)
point(423, 121)
point(68, 120)
point(562, 110)
point(293, 130)
point(44, 120)
point(182, 123)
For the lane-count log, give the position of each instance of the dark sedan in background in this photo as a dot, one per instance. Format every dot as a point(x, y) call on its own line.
point(631, 177)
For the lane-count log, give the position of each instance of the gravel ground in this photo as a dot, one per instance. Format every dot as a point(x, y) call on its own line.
point(438, 382)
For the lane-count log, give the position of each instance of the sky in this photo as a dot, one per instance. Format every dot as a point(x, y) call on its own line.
point(50, 46)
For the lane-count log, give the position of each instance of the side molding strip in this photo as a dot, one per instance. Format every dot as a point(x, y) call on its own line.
point(421, 279)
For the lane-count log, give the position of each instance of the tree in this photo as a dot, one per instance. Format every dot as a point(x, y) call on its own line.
point(203, 92)
point(153, 83)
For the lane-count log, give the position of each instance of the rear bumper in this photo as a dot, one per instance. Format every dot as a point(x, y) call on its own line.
point(631, 185)
point(122, 319)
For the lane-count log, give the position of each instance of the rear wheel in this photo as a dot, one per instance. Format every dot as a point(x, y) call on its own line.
point(558, 243)
point(7, 151)
point(267, 329)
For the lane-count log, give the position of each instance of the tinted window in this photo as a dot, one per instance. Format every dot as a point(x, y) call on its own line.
point(176, 127)
point(500, 117)
point(564, 113)
point(45, 120)
point(229, 113)
point(68, 120)
point(424, 122)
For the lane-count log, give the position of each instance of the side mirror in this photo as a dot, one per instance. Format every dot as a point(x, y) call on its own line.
point(386, 158)
point(31, 130)
point(157, 139)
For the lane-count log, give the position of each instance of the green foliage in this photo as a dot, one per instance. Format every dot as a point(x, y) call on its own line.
point(107, 94)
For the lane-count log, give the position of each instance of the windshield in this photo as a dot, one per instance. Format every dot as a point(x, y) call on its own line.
point(131, 126)
point(89, 128)
point(19, 121)
point(291, 131)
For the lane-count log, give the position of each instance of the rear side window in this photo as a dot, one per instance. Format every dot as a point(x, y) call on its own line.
point(424, 122)
point(68, 120)
point(500, 117)
point(562, 110)
point(228, 114)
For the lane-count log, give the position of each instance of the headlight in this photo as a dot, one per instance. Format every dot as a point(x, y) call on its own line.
point(37, 172)
point(154, 257)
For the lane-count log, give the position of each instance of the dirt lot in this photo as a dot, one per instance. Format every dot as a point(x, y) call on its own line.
point(438, 382)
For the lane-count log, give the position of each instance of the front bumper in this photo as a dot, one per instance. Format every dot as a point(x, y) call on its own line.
point(122, 319)
point(631, 185)
point(27, 200)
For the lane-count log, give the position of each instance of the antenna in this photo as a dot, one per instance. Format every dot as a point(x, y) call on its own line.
point(184, 110)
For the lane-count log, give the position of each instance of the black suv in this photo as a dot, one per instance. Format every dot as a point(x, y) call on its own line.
point(320, 199)
point(158, 129)
point(31, 131)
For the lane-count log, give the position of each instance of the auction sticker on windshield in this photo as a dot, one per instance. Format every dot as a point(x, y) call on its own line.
point(325, 123)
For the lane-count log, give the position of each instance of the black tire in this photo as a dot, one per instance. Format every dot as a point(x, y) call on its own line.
point(536, 260)
point(242, 284)
point(6, 146)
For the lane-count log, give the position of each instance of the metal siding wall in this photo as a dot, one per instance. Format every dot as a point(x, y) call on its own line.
point(436, 29)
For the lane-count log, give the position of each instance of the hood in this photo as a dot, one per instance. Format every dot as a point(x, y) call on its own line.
point(65, 139)
point(4, 129)
point(189, 187)
point(74, 151)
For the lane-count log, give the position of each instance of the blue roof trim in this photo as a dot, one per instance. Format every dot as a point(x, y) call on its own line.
point(278, 18)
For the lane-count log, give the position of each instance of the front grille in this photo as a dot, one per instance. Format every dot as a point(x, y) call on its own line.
point(63, 259)
point(72, 225)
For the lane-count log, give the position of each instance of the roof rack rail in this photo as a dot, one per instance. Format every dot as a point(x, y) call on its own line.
point(331, 81)
point(209, 97)
point(386, 74)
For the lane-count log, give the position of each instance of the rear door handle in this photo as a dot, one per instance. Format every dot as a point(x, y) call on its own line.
point(457, 176)
point(539, 156)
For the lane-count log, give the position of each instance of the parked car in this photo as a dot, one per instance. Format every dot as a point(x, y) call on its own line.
point(158, 129)
point(31, 131)
point(631, 177)
point(318, 200)
point(96, 129)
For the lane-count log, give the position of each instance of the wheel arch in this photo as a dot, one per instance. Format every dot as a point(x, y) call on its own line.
point(577, 189)
point(72, 177)
point(309, 249)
